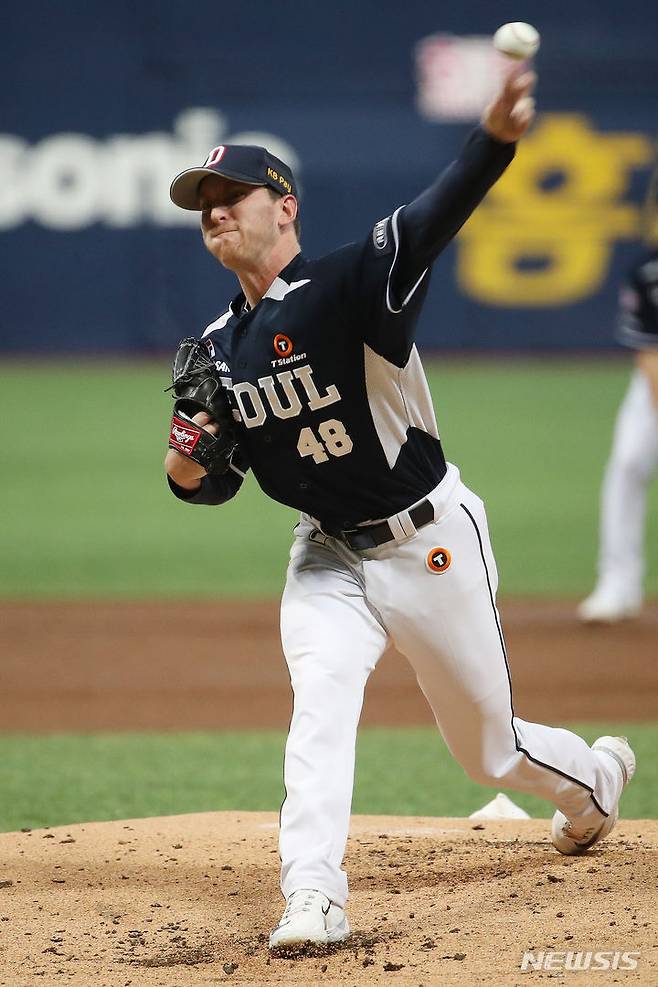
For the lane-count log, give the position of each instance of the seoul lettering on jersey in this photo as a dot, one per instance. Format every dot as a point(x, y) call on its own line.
point(252, 408)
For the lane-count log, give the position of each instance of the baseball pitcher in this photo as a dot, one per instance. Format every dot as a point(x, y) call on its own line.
point(311, 379)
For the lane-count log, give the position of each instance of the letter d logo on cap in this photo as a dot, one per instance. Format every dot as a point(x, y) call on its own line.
point(215, 155)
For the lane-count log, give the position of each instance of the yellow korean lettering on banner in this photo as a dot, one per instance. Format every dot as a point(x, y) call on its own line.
point(535, 241)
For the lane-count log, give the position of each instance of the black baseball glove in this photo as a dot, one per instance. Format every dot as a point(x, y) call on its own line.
point(197, 387)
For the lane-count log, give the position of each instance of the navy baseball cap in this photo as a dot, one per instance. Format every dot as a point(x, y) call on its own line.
point(243, 163)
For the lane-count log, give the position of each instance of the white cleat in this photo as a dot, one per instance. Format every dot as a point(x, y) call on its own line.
point(604, 607)
point(566, 837)
point(309, 917)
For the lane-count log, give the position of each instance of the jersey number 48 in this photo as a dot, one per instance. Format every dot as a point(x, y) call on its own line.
point(335, 441)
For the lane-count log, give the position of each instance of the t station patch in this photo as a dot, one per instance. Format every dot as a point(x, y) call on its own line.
point(438, 560)
point(282, 345)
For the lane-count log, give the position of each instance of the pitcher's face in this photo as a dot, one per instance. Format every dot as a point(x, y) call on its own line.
point(239, 222)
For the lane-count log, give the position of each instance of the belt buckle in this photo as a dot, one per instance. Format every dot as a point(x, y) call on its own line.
point(358, 534)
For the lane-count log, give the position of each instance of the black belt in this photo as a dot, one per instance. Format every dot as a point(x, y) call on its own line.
point(372, 535)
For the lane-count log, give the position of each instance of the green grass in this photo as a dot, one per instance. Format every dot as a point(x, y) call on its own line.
point(63, 779)
point(86, 511)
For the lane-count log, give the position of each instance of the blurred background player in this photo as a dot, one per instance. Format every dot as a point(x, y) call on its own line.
point(632, 463)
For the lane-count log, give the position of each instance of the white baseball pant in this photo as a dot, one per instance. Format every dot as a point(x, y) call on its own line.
point(631, 465)
point(339, 610)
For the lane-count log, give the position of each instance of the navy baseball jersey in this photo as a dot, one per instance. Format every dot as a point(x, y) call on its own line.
point(336, 418)
point(637, 325)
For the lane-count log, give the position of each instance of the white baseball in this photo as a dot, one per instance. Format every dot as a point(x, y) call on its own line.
point(517, 40)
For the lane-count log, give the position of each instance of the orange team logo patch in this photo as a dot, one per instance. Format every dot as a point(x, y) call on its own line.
point(438, 560)
point(282, 345)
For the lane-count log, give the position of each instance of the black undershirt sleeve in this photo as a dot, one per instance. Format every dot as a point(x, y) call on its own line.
point(431, 220)
point(393, 276)
point(213, 490)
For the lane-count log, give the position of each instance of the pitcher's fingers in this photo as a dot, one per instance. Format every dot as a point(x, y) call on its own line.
point(523, 85)
point(203, 418)
point(524, 110)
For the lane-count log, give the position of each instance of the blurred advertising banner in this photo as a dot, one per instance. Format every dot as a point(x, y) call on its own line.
point(71, 181)
point(367, 107)
point(456, 76)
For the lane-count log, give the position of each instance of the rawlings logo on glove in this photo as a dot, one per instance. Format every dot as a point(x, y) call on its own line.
point(197, 387)
point(183, 437)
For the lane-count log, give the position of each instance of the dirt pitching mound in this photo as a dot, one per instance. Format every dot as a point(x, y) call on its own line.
point(189, 900)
